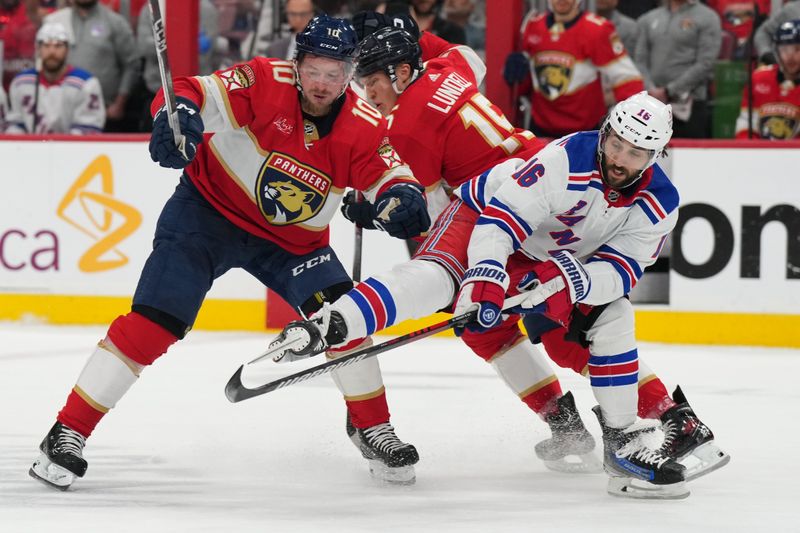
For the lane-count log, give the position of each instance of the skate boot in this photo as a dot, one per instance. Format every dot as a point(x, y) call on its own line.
point(61, 459)
point(306, 338)
point(689, 441)
point(391, 461)
point(570, 449)
point(637, 470)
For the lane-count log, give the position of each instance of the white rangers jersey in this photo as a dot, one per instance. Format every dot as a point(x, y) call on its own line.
point(557, 201)
point(73, 104)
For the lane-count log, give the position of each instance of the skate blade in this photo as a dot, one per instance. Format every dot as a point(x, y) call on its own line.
point(386, 475)
point(624, 487)
point(587, 463)
point(51, 474)
point(703, 460)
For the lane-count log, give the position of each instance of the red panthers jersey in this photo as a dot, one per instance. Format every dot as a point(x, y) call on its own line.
point(776, 107)
point(256, 167)
point(566, 63)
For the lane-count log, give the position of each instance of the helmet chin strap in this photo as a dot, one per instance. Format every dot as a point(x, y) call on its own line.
point(414, 76)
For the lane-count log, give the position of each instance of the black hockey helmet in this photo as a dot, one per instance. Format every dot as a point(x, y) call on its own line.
point(787, 33)
point(387, 48)
point(329, 37)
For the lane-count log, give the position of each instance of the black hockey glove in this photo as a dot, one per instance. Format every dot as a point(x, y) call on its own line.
point(516, 68)
point(359, 212)
point(162, 143)
point(402, 212)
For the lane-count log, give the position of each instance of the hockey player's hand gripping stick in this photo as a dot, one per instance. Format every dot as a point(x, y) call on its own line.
point(236, 391)
point(160, 35)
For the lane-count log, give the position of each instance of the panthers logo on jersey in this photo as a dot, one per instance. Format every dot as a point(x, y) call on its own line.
point(289, 192)
point(553, 72)
point(779, 121)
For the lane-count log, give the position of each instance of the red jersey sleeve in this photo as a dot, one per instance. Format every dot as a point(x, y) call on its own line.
point(227, 98)
point(433, 46)
point(609, 55)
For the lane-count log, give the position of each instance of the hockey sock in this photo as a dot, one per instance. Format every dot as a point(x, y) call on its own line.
point(526, 372)
point(654, 400)
point(132, 343)
point(368, 410)
point(361, 384)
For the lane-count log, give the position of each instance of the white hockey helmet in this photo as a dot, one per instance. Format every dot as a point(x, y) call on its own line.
point(643, 121)
point(53, 32)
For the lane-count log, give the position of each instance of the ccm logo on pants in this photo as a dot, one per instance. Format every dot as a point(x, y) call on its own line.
point(311, 263)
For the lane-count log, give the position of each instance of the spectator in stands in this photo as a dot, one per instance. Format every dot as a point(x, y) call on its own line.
point(765, 32)
point(145, 42)
point(129, 9)
point(426, 14)
point(776, 91)
point(677, 46)
point(565, 51)
point(627, 29)
point(18, 23)
point(469, 16)
point(298, 13)
point(58, 99)
point(738, 17)
point(103, 44)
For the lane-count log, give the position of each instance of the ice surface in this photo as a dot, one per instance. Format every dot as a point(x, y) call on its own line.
point(175, 456)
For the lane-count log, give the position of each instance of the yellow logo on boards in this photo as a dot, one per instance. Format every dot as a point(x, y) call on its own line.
point(99, 215)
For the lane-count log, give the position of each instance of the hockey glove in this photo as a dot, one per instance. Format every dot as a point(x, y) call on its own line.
point(555, 286)
point(516, 68)
point(359, 212)
point(162, 142)
point(483, 289)
point(401, 211)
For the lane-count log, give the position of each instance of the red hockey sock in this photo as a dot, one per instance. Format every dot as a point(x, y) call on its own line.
point(369, 412)
point(653, 399)
point(79, 415)
point(139, 338)
point(543, 400)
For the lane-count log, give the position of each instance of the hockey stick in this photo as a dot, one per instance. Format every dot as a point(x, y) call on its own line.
point(235, 390)
point(160, 35)
point(359, 236)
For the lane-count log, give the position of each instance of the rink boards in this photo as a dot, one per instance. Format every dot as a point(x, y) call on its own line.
point(77, 220)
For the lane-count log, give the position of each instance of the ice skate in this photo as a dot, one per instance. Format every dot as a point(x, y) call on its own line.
point(61, 460)
point(636, 470)
point(391, 461)
point(306, 338)
point(689, 441)
point(571, 448)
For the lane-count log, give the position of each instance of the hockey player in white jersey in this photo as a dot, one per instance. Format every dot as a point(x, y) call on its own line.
point(574, 227)
point(59, 98)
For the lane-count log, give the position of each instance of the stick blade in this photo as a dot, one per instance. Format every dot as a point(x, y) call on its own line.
point(235, 390)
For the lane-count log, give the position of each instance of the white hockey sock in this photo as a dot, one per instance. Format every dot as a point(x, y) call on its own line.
point(361, 380)
point(614, 363)
point(107, 376)
point(523, 368)
point(413, 289)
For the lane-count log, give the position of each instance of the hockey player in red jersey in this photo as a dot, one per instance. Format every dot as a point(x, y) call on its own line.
point(564, 51)
point(271, 147)
point(776, 91)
